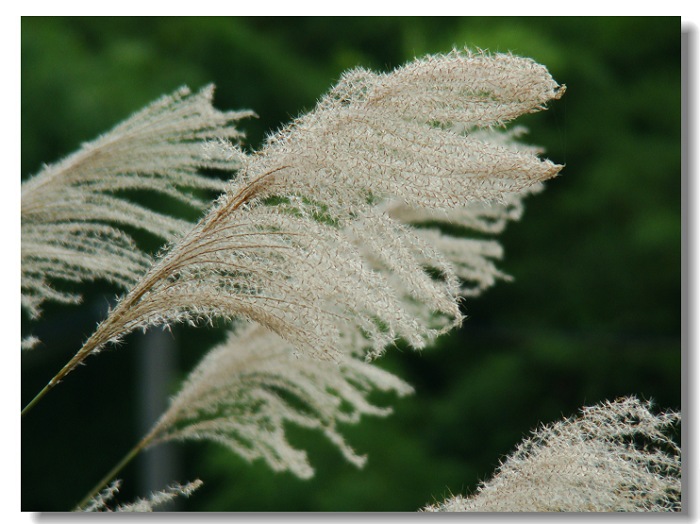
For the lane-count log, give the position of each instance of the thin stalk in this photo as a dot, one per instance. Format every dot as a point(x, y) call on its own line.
point(37, 398)
point(70, 366)
point(113, 472)
point(106, 330)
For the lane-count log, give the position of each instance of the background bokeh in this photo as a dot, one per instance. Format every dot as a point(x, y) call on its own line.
point(593, 313)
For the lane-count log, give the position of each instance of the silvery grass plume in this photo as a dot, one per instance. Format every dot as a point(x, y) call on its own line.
point(617, 456)
point(295, 241)
point(246, 390)
point(101, 501)
point(74, 212)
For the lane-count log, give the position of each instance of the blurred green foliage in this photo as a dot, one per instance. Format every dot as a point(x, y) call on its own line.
point(594, 312)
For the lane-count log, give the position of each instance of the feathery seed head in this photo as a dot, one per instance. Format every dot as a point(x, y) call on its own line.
point(320, 233)
point(70, 210)
point(245, 390)
point(300, 243)
point(617, 456)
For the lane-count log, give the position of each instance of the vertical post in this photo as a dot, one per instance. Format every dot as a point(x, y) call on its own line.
point(156, 361)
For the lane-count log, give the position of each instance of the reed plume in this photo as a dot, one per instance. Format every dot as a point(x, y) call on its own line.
point(303, 241)
point(616, 456)
point(74, 212)
point(101, 501)
point(247, 389)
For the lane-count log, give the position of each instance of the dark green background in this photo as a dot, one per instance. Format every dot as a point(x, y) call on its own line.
point(594, 312)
